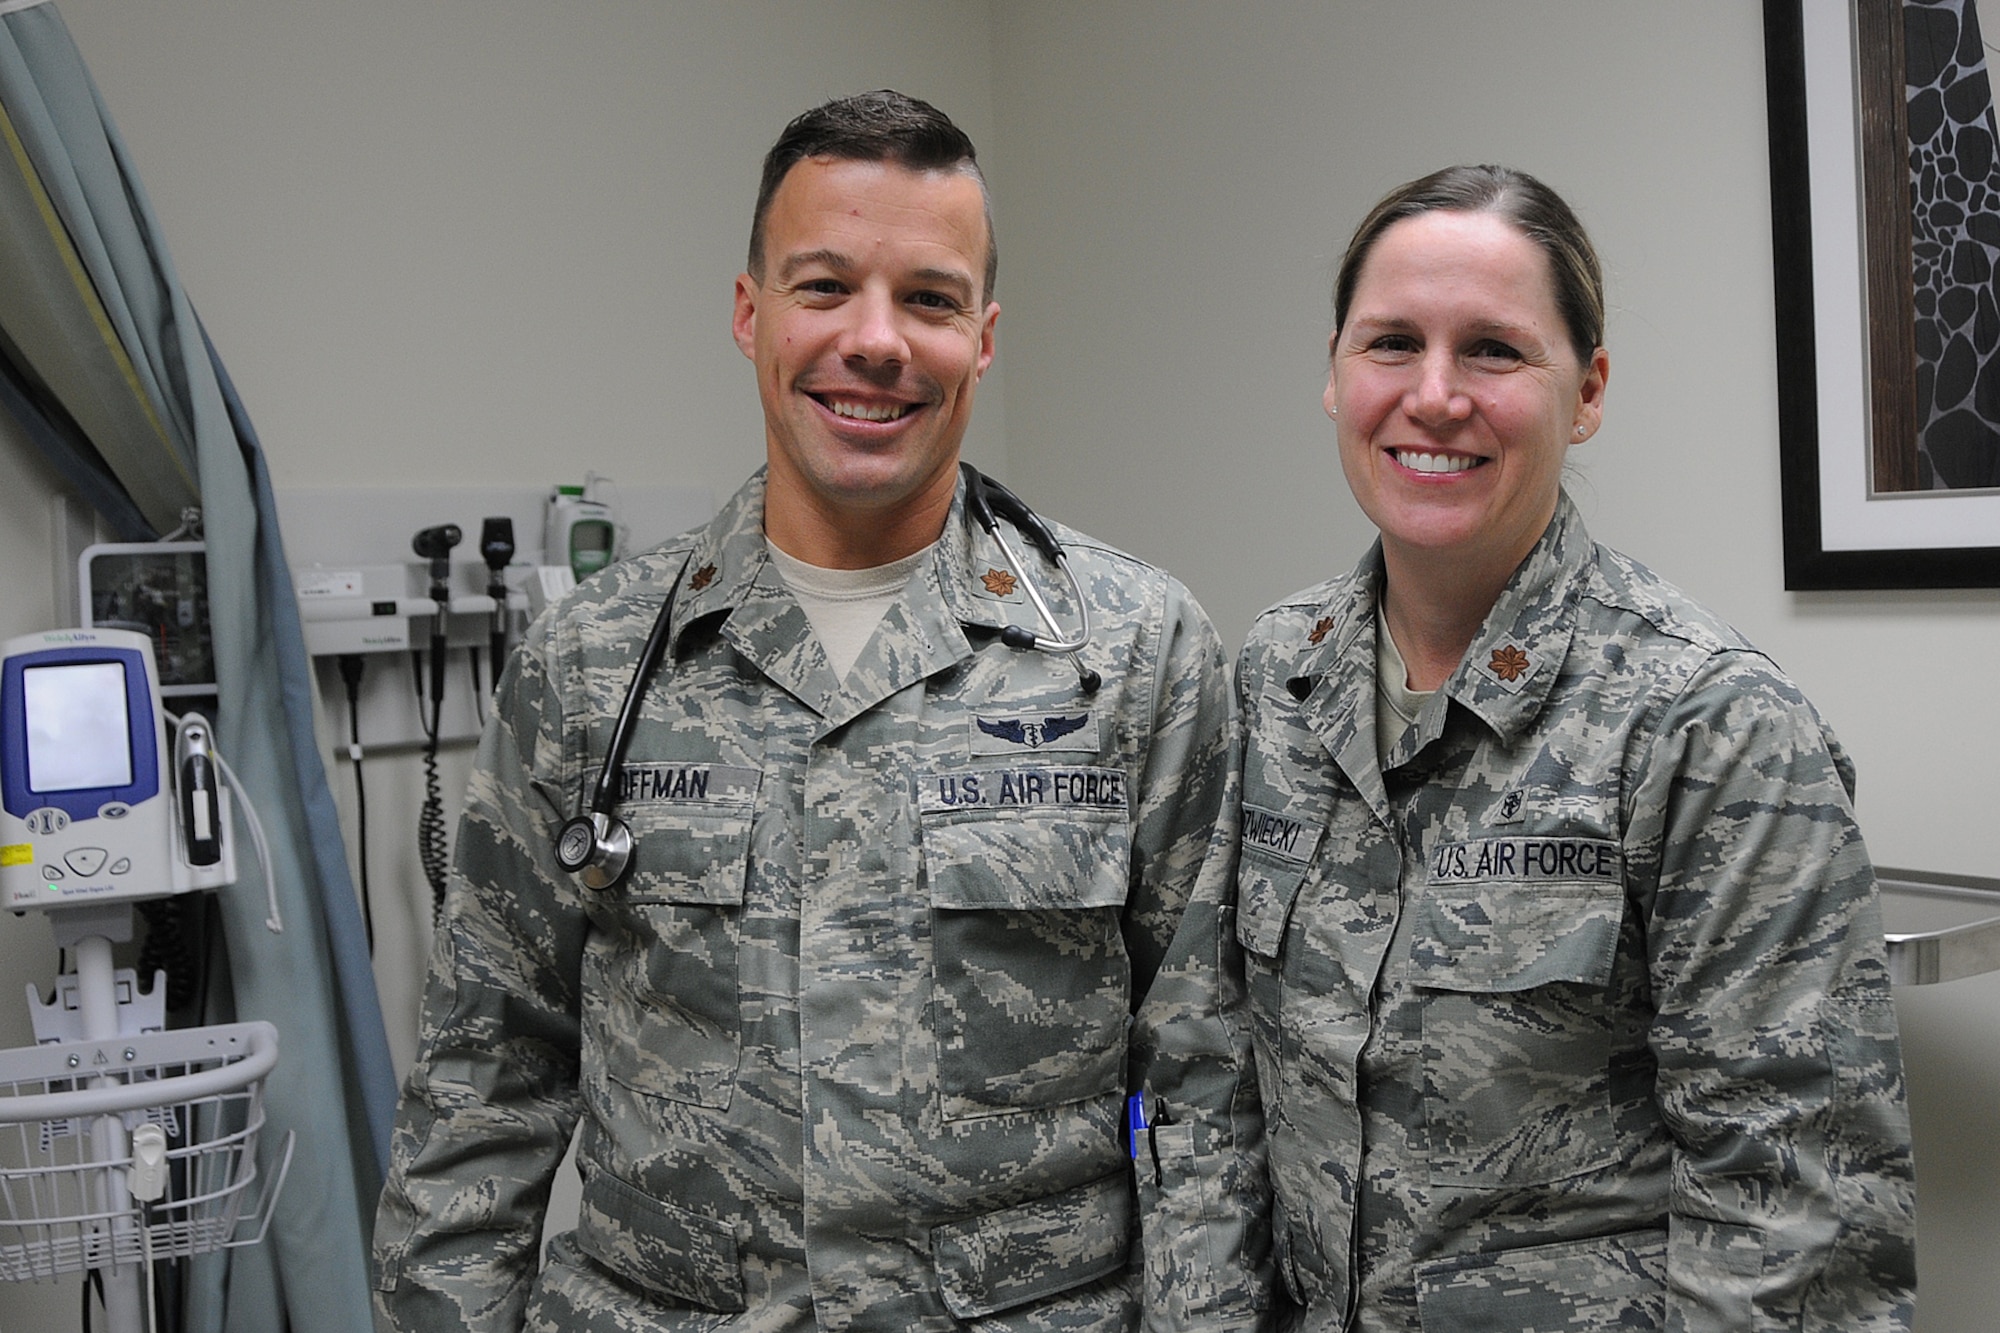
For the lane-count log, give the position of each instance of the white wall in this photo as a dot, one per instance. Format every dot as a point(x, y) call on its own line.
point(495, 238)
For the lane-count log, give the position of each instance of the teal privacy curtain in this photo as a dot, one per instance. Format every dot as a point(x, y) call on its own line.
point(114, 379)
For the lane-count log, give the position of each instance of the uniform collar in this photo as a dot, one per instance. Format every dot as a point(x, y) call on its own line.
point(981, 586)
point(1506, 674)
point(729, 574)
point(1513, 662)
point(727, 562)
point(1335, 680)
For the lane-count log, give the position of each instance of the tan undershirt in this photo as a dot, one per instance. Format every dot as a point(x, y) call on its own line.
point(1396, 704)
point(845, 605)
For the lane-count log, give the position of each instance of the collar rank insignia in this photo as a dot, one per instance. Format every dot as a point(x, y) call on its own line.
point(1320, 630)
point(998, 582)
point(1509, 663)
point(1034, 735)
point(702, 578)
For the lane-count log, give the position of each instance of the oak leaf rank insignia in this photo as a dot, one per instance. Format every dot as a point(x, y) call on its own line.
point(702, 578)
point(1320, 630)
point(1508, 663)
point(998, 582)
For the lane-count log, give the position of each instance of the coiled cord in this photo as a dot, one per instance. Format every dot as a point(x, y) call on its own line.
point(430, 821)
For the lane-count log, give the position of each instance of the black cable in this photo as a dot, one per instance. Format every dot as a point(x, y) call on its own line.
point(479, 695)
point(212, 946)
point(430, 820)
point(351, 667)
point(166, 948)
point(169, 1307)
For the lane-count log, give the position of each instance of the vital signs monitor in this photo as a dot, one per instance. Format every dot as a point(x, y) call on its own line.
point(84, 762)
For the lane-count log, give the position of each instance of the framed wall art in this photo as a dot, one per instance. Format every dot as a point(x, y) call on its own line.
point(1885, 215)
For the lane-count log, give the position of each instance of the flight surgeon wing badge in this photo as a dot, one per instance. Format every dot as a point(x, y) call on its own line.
point(1034, 734)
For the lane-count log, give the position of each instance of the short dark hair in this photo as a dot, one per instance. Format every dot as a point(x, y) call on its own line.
point(1538, 212)
point(882, 126)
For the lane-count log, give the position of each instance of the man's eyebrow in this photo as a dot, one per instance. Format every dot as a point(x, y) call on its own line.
point(956, 281)
point(832, 259)
point(959, 281)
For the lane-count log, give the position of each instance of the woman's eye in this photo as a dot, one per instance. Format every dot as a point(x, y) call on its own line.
point(1393, 342)
point(1495, 351)
point(933, 301)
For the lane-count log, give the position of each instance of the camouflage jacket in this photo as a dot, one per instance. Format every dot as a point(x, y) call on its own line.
point(850, 1045)
point(1572, 1013)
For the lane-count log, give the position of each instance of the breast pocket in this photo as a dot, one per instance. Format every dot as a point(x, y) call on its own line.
point(1031, 982)
point(671, 1021)
point(1524, 1042)
point(1274, 854)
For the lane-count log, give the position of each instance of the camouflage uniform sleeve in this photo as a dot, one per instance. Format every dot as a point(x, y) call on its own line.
point(1779, 1073)
point(1202, 1191)
point(487, 1111)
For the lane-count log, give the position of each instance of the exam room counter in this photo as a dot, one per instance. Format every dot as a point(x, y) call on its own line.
point(1943, 933)
point(1939, 927)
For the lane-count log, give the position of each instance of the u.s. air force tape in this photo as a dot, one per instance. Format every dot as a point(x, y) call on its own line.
point(1021, 785)
point(1529, 860)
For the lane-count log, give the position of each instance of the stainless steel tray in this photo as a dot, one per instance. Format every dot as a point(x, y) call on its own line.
point(1939, 927)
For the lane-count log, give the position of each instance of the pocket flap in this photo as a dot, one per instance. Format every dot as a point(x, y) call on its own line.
point(688, 853)
point(1265, 889)
point(1028, 860)
point(669, 1251)
point(1491, 937)
point(1275, 850)
point(1617, 1281)
point(1035, 1249)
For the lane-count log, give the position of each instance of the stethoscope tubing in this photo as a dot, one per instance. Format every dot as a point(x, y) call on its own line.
point(1054, 643)
point(596, 845)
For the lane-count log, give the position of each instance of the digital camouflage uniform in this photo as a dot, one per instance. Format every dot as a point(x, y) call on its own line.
point(1572, 1014)
point(851, 1043)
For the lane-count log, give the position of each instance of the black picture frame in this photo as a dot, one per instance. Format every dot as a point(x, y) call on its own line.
point(1803, 460)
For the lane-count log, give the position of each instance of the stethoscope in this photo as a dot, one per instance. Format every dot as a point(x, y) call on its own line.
point(597, 845)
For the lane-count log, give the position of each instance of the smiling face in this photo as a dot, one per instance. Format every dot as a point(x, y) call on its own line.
point(869, 329)
point(1457, 393)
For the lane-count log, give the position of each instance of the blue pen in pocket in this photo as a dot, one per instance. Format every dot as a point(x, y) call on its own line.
point(1135, 1120)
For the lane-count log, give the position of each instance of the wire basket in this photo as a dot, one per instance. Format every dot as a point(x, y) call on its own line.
point(67, 1114)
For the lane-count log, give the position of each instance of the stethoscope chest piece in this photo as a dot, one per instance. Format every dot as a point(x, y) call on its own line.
point(595, 847)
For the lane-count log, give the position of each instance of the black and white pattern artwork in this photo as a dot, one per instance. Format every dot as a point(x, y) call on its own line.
point(1955, 234)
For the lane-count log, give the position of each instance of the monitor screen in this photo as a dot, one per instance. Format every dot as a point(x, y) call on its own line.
point(78, 727)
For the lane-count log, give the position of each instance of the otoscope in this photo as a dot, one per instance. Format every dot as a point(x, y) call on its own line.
point(496, 545)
